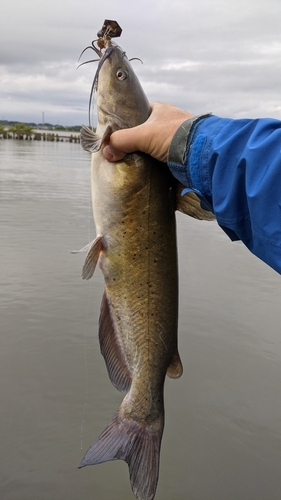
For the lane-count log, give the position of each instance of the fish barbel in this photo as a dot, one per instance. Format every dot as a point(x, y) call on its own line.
point(134, 203)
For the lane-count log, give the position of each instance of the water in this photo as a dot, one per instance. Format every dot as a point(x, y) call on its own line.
point(222, 438)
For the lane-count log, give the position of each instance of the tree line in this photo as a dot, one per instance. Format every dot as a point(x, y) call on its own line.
point(24, 131)
point(17, 130)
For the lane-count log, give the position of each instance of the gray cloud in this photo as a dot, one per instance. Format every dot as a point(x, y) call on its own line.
point(203, 55)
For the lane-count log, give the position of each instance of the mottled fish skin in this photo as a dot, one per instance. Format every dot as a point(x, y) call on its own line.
point(134, 202)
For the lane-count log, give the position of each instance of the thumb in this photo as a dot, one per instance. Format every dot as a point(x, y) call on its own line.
point(120, 143)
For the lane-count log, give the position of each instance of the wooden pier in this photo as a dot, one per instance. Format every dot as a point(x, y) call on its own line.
point(42, 136)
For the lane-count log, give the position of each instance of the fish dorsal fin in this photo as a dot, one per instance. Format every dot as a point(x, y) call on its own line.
point(111, 349)
point(190, 204)
point(92, 258)
point(175, 369)
point(92, 142)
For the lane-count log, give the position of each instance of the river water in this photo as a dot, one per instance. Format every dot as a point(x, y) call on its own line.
point(222, 438)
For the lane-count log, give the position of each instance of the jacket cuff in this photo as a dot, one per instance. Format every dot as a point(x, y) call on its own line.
point(180, 143)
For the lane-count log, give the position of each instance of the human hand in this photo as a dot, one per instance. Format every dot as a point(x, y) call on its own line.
point(153, 137)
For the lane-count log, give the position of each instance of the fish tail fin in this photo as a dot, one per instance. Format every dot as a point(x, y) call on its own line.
point(139, 446)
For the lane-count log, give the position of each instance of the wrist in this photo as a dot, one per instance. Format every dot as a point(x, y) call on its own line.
point(184, 158)
point(181, 141)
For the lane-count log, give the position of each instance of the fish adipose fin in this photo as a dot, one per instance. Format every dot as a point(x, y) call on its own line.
point(137, 445)
point(175, 367)
point(111, 349)
point(92, 142)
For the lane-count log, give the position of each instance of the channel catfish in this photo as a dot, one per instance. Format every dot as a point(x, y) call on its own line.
point(134, 203)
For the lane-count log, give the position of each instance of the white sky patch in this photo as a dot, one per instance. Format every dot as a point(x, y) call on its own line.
point(272, 48)
point(203, 55)
point(44, 82)
point(181, 66)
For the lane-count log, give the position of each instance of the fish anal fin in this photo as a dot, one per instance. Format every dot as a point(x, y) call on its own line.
point(111, 349)
point(175, 368)
point(136, 444)
point(91, 141)
point(92, 258)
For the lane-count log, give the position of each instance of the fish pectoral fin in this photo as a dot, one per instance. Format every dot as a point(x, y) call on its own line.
point(92, 142)
point(136, 444)
point(175, 368)
point(111, 349)
point(94, 248)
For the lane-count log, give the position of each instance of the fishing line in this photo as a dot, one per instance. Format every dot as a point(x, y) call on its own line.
point(86, 370)
point(85, 337)
point(93, 108)
point(92, 104)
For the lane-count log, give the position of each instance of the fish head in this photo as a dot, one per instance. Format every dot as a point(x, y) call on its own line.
point(121, 101)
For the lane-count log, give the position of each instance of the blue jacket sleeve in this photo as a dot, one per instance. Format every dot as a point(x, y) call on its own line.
point(235, 168)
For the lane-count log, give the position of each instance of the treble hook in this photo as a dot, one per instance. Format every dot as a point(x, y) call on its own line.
point(93, 47)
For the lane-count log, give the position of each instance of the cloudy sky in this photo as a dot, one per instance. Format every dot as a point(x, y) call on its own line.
point(222, 56)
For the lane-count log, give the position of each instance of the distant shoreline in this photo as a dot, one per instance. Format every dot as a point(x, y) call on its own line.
point(43, 126)
point(37, 135)
point(38, 132)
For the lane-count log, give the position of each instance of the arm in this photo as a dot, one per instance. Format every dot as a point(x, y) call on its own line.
point(233, 165)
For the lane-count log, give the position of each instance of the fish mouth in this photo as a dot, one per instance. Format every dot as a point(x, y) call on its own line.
point(94, 87)
point(105, 56)
point(108, 49)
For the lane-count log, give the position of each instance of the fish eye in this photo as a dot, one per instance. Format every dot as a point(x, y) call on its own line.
point(122, 74)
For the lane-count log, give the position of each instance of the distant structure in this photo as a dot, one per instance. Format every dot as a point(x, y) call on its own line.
point(43, 119)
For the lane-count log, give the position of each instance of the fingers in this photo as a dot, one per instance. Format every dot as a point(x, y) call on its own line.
point(112, 154)
point(153, 136)
point(130, 140)
point(122, 142)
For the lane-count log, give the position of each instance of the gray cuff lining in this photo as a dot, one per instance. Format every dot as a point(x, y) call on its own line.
point(177, 149)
